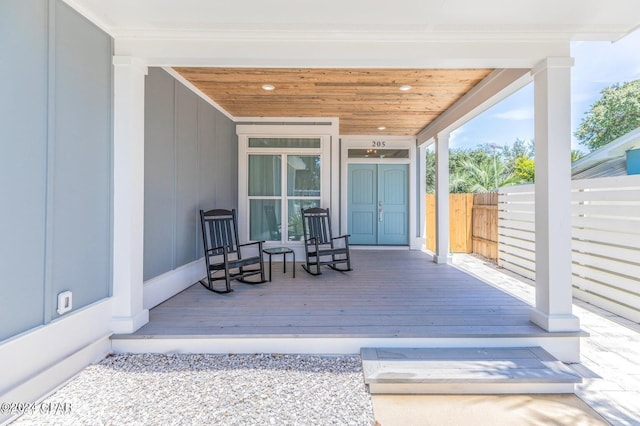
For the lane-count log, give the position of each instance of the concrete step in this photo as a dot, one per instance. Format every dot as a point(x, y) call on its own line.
point(465, 371)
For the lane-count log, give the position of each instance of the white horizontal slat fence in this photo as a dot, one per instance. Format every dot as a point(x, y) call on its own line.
point(516, 225)
point(606, 240)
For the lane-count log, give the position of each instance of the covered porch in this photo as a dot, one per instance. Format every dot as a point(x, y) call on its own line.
point(392, 298)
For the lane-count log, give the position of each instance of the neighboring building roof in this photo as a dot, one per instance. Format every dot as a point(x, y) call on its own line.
point(609, 160)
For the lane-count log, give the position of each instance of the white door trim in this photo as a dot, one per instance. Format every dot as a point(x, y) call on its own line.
point(372, 141)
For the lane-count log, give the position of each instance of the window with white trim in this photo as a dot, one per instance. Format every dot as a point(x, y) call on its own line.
point(284, 175)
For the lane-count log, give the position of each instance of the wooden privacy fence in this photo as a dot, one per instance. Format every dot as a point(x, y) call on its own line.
point(473, 223)
point(484, 233)
point(605, 229)
point(460, 207)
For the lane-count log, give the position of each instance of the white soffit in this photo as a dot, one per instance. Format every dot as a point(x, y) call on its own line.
point(373, 20)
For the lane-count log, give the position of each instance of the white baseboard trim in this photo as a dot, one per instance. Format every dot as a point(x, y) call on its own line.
point(160, 288)
point(125, 325)
point(418, 243)
point(441, 259)
point(47, 381)
point(554, 323)
point(40, 359)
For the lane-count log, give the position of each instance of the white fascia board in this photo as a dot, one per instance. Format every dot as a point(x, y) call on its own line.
point(339, 54)
point(494, 88)
point(175, 74)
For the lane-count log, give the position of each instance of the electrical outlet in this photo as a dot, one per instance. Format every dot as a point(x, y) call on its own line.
point(65, 302)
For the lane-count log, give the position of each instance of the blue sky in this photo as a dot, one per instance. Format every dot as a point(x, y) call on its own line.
point(597, 65)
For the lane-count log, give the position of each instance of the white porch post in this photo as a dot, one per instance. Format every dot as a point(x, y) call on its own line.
point(552, 109)
point(442, 198)
point(128, 195)
point(422, 196)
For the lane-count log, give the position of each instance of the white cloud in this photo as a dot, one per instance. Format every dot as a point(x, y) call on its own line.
point(523, 113)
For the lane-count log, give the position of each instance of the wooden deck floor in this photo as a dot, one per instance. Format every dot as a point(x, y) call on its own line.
point(388, 294)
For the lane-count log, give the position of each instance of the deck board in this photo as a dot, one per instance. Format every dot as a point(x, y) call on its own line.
point(389, 293)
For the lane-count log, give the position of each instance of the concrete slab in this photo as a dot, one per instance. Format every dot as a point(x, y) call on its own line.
point(480, 410)
point(609, 356)
point(465, 371)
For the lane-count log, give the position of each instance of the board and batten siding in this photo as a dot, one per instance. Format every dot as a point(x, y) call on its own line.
point(605, 240)
point(191, 157)
point(55, 169)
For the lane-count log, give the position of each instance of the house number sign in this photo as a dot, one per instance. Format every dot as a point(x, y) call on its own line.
point(378, 144)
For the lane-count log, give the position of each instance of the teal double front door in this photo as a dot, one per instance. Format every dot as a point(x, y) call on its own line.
point(378, 208)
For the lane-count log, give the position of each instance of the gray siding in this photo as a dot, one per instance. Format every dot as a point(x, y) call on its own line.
point(55, 172)
point(159, 182)
point(23, 135)
point(186, 174)
point(190, 163)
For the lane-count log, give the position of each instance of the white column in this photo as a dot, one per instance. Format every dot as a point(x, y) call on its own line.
point(442, 198)
point(422, 196)
point(128, 195)
point(552, 109)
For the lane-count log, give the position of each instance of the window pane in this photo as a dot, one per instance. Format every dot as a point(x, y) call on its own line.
point(264, 220)
point(284, 142)
point(378, 153)
point(265, 174)
point(303, 175)
point(295, 217)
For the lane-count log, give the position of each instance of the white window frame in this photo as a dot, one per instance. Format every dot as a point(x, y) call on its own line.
point(274, 131)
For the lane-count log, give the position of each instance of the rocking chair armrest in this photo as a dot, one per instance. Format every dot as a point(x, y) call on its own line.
point(251, 244)
point(345, 236)
point(215, 249)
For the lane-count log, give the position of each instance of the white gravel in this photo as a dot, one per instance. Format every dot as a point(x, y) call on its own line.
point(199, 389)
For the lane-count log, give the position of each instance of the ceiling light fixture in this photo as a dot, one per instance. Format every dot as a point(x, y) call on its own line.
point(381, 128)
point(268, 87)
point(405, 87)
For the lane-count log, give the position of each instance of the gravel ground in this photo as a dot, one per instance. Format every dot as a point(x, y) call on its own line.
point(188, 389)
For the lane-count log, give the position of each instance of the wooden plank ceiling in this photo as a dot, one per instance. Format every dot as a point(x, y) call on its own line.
point(363, 99)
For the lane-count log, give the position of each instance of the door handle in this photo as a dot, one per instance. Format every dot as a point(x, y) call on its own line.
point(379, 215)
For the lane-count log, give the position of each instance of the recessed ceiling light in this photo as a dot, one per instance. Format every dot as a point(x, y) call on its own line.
point(405, 87)
point(268, 87)
point(381, 128)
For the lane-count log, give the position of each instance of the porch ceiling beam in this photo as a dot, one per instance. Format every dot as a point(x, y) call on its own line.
point(323, 53)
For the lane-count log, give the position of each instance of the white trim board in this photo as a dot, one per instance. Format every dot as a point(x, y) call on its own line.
point(365, 141)
point(175, 74)
point(160, 288)
point(565, 348)
point(40, 359)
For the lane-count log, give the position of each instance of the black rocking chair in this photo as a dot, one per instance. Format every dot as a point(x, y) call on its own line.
point(320, 247)
point(222, 253)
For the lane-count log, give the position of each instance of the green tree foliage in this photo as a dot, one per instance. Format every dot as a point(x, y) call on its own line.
point(474, 170)
point(519, 149)
point(576, 155)
point(524, 169)
point(616, 113)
